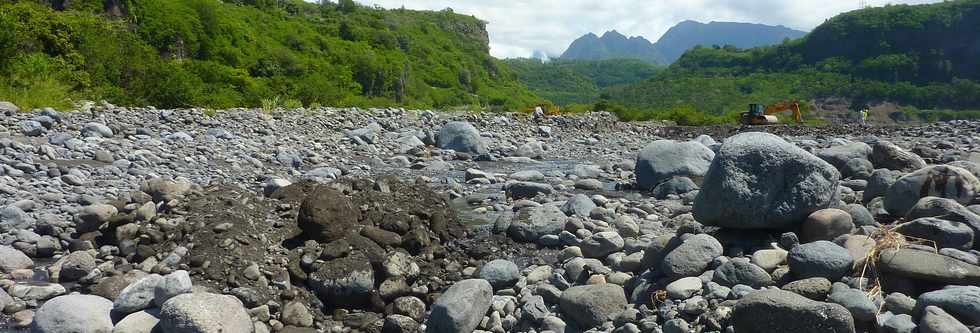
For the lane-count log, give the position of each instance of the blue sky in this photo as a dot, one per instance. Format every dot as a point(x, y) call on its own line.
point(519, 27)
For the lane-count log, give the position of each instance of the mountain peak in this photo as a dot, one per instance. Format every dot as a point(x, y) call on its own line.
point(613, 34)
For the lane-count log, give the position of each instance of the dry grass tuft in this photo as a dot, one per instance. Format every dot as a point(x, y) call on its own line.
point(886, 238)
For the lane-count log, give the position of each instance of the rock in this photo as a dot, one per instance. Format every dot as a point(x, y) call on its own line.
point(90, 218)
point(399, 324)
point(74, 313)
point(11, 260)
point(525, 190)
point(601, 244)
point(165, 190)
point(147, 321)
point(345, 281)
point(14, 218)
point(691, 257)
point(935, 320)
point(580, 205)
point(527, 176)
point(858, 168)
point(8, 107)
point(663, 159)
point(856, 301)
point(327, 215)
point(204, 312)
point(901, 323)
point(775, 310)
point(820, 259)
point(176, 283)
point(531, 223)
point(860, 215)
point(770, 259)
point(75, 266)
point(410, 306)
point(923, 265)
point(592, 305)
point(533, 149)
point(760, 181)
point(826, 224)
point(899, 303)
point(137, 296)
point(879, 182)
point(945, 234)
point(500, 273)
point(400, 265)
point(963, 302)
point(31, 128)
point(741, 271)
point(674, 186)
point(297, 314)
point(887, 155)
point(816, 288)
point(96, 130)
point(684, 288)
point(938, 181)
point(462, 137)
point(838, 156)
point(461, 308)
point(36, 291)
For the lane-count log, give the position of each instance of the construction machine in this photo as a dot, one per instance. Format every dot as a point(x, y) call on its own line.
point(759, 114)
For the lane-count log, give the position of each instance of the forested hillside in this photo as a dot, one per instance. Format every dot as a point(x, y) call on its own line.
point(923, 56)
point(566, 82)
point(171, 53)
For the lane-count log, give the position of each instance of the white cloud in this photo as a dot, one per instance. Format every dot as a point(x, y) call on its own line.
point(518, 27)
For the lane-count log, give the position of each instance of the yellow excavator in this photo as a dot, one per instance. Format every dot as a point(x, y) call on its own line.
point(759, 114)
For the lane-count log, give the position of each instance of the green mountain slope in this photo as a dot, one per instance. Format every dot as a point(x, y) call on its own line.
point(922, 56)
point(172, 53)
point(566, 82)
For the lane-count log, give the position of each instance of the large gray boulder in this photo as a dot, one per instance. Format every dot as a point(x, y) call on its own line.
point(741, 271)
point(774, 310)
point(760, 181)
point(945, 234)
point(820, 259)
point(963, 302)
point(500, 273)
point(935, 320)
point(601, 244)
point(462, 137)
point(878, 183)
point(74, 313)
point(14, 218)
point(663, 159)
point(12, 259)
point(838, 156)
point(147, 321)
point(529, 224)
point(137, 296)
point(344, 281)
point(204, 313)
point(928, 266)
point(461, 308)
point(937, 181)
point(887, 155)
point(593, 305)
point(692, 257)
point(580, 205)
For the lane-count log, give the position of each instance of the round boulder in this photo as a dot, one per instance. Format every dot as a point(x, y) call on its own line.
point(826, 224)
point(462, 137)
point(760, 181)
point(327, 215)
point(938, 181)
point(776, 310)
point(500, 273)
point(204, 312)
point(820, 259)
point(691, 257)
point(74, 313)
point(663, 159)
point(461, 307)
point(593, 305)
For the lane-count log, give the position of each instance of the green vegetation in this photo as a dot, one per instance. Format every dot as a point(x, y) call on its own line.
point(176, 53)
point(571, 83)
point(924, 57)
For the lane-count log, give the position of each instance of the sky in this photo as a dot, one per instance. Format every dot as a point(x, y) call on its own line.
point(518, 28)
